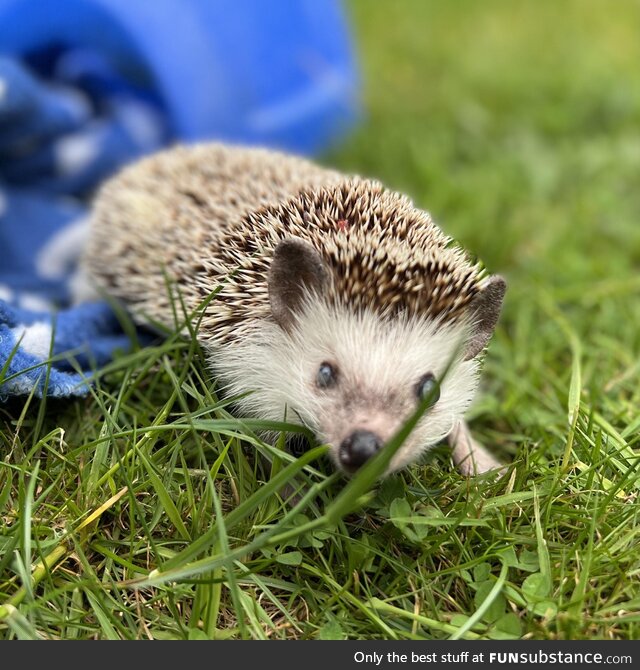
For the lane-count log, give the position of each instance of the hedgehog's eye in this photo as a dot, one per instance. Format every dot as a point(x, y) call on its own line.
point(428, 387)
point(327, 376)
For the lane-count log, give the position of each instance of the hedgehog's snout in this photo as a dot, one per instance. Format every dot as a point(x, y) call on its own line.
point(357, 448)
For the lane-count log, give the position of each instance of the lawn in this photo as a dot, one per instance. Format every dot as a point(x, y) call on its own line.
point(143, 512)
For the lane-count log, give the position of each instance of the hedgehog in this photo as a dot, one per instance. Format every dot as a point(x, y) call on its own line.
point(337, 304)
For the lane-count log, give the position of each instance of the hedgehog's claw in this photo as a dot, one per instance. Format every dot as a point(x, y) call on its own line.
point(471, 458)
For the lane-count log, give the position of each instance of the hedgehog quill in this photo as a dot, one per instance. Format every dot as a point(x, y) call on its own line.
point(339, 303)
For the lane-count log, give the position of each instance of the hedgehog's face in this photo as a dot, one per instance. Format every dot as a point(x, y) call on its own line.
point(355, 378)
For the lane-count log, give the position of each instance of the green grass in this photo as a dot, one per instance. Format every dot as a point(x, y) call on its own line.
point(143, 510)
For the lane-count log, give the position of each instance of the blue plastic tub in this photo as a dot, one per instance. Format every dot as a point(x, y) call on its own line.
point(274, 73)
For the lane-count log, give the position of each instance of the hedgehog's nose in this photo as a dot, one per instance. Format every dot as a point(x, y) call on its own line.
point(358, 448)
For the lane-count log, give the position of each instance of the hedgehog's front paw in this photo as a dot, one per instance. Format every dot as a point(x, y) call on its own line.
point(470, 457)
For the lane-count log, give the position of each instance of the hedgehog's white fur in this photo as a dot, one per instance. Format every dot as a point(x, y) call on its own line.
point(380, 362)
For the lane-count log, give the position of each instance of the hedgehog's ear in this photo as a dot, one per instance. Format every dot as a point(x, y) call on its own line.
point(483, 314)
point(296, 269)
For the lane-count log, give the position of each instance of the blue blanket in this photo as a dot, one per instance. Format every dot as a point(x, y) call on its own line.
point(58, 139)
